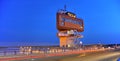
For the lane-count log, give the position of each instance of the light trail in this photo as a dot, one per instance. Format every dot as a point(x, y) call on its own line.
point(47, 55)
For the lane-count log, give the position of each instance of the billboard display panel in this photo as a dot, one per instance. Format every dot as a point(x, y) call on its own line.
point(66, 22)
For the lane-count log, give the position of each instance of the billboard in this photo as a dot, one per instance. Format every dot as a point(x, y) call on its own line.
point(68, 21)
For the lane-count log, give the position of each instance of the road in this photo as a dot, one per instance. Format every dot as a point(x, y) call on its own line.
point(96, 56)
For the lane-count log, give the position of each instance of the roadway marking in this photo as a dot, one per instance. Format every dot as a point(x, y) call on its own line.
point(82, 55)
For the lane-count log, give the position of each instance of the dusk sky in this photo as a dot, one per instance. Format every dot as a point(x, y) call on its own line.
point(33, 22)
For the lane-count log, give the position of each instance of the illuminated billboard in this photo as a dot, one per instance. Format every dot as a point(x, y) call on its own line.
point(68, 21)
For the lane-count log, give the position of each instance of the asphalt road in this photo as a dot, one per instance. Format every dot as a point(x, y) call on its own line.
point(96, 56)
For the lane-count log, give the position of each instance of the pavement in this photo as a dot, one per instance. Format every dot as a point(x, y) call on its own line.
point(33, 56)
point(110, 55)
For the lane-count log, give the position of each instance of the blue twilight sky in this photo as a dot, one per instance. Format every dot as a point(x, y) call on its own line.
point(33, 22)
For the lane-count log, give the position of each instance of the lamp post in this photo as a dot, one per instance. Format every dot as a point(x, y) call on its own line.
point(81, 44)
